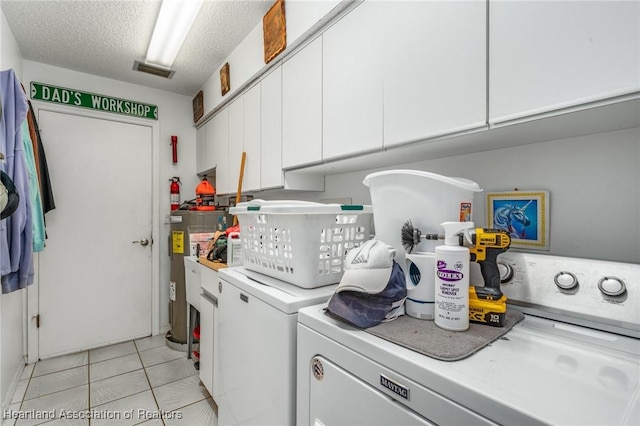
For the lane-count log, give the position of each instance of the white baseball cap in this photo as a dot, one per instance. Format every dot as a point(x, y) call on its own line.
point(367, 268)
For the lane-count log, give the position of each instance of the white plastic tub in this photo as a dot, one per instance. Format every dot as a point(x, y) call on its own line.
point(300, 242)
point(427, 199)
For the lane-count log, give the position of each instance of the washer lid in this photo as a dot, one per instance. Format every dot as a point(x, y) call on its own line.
point(283, 296)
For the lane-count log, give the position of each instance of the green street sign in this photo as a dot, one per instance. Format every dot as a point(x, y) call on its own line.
point(72, 97)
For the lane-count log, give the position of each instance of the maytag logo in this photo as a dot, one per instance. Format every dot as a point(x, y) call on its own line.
point(394, 387)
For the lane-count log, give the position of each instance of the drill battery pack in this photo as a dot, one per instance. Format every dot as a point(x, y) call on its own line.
point(488, 312)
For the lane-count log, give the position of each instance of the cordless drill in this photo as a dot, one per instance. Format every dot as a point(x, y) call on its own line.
point(487, 305)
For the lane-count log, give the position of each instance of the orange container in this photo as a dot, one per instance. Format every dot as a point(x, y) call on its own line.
point(205, 192)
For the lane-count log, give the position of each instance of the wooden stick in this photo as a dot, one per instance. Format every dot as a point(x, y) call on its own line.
point(239, 194)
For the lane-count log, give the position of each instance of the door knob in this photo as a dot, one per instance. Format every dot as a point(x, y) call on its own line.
point(143, 242)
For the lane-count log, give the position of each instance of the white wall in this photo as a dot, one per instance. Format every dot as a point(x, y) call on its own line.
point(593, 184)
point(12, 305)
point(175, 117)
point(247, 59)
point(10, 56)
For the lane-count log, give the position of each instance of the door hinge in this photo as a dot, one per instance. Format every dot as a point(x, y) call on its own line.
point(37, 318)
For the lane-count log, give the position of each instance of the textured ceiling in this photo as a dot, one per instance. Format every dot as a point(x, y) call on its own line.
point(104, 37)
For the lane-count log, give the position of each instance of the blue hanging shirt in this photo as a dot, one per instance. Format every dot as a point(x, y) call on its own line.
point(16, 233)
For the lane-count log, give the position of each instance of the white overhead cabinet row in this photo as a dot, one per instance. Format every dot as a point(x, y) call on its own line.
point(393, 73)
point(251, 123)
point(545, 56)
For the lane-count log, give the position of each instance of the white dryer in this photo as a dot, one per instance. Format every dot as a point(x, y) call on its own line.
point(573, 360)
point(255, 373)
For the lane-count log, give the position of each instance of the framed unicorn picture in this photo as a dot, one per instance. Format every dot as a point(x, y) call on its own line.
point(523, 214)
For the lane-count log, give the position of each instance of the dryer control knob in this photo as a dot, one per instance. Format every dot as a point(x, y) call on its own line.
point(565, 280)
point(612, 286)
point(506, 272)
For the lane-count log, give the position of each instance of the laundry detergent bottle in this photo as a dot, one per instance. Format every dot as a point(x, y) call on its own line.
point(451, 310)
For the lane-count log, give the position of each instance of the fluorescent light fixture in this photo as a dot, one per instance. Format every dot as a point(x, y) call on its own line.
point(173, 25)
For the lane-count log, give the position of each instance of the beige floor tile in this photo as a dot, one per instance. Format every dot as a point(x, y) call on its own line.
point(151, 342)
point(199, 413)
point(112, 351)
point(167, 372)
point(65, 362)
point(120, 378)
point(55, 382)
point(70, 400)
point(69, 421)
point(155, 422)
point(7, 419)
point(179, 394)
point(114, 366)
point(130, 410)
point(21, 389)
point(28, 371)
point(159, 355)
point(117, 387)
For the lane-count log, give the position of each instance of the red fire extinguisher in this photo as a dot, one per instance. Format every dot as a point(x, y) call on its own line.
point(175, 192)
point(174, 148)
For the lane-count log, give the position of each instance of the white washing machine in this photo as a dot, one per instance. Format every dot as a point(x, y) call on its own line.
point(255, 373)
point(573, 360)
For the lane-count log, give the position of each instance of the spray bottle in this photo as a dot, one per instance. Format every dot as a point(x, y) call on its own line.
point(452, 278)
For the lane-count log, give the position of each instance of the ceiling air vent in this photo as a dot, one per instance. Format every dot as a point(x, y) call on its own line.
point(151, 69)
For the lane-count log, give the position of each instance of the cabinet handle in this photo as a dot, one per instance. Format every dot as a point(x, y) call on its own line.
point(209, 297)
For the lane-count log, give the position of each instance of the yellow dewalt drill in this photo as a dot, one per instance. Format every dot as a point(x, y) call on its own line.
point(487, 305)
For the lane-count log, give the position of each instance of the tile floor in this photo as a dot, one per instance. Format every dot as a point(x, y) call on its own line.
point(140, 381)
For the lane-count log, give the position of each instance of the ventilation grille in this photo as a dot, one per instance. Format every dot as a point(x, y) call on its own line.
point(150, 69)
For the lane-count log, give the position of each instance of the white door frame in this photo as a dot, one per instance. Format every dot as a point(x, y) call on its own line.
point(32, 344)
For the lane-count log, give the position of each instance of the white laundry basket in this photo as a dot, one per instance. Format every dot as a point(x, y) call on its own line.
point(300, 242)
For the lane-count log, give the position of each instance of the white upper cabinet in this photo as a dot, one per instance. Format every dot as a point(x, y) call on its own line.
point(271, 130)
point(302, 106)
point(352, 82)
point(434, 70)
point(547, 55)
point(209, 147)
point(251, 180)
point(201, 140)
point(218, 144)
point(236, 143)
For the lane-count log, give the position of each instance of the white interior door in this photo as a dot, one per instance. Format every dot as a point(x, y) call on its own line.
point(95, 285)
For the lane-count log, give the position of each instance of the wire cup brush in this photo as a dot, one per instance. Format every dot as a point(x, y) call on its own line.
point(411, 236)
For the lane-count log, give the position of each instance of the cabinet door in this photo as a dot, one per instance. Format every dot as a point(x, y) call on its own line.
point(236, 142)
point(435, 69)
point(201, 140)
point(207, 319)
point(209, 300)
point(352, 82)
point(192, 281)
point(251, 180)
point(302, 106)
point(258, 384)
point(209, 145)
point(271, 130)
point(549, 55)
point(218, 144)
